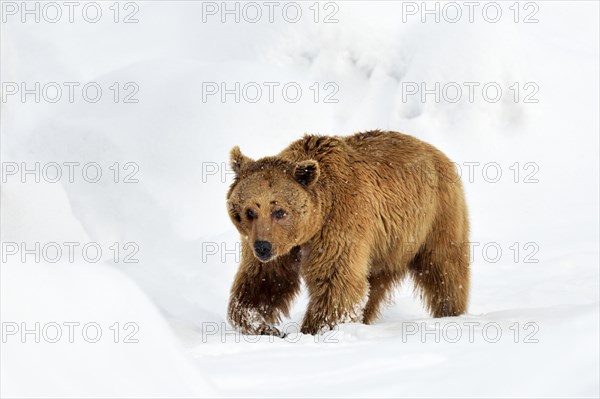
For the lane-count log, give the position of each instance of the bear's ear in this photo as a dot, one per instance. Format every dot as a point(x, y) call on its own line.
point(237, 159)
point(307, 172)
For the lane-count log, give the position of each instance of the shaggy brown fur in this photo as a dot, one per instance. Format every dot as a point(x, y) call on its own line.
point(352, 216)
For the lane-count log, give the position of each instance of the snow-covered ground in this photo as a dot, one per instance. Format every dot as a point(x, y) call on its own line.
point(158, 296)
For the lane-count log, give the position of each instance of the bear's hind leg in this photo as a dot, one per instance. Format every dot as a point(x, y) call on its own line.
point(440, 271)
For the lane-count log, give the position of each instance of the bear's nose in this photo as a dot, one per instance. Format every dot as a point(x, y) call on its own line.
point(262, 249)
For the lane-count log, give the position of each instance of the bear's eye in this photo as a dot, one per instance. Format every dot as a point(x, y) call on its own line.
point(236, 217)
point(279, 214)
point(251, 214)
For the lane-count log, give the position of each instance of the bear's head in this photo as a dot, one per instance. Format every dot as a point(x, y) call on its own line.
point(273, 203)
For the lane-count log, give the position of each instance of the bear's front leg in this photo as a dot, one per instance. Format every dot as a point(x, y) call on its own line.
point(263, 292)
point(337, 282)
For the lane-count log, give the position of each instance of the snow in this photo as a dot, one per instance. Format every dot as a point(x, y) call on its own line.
point(541, 293)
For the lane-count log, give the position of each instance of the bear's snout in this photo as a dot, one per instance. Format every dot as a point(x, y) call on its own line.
point(263, 249)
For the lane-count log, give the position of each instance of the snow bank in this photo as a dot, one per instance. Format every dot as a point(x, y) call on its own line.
point(83, 330)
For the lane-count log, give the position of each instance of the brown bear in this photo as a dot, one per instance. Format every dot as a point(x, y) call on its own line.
point(352, 216)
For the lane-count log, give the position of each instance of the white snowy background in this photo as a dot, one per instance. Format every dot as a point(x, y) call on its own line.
point(544, 219)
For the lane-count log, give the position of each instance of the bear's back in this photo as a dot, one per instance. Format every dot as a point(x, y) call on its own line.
point(373, 146)
point(387, 145)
